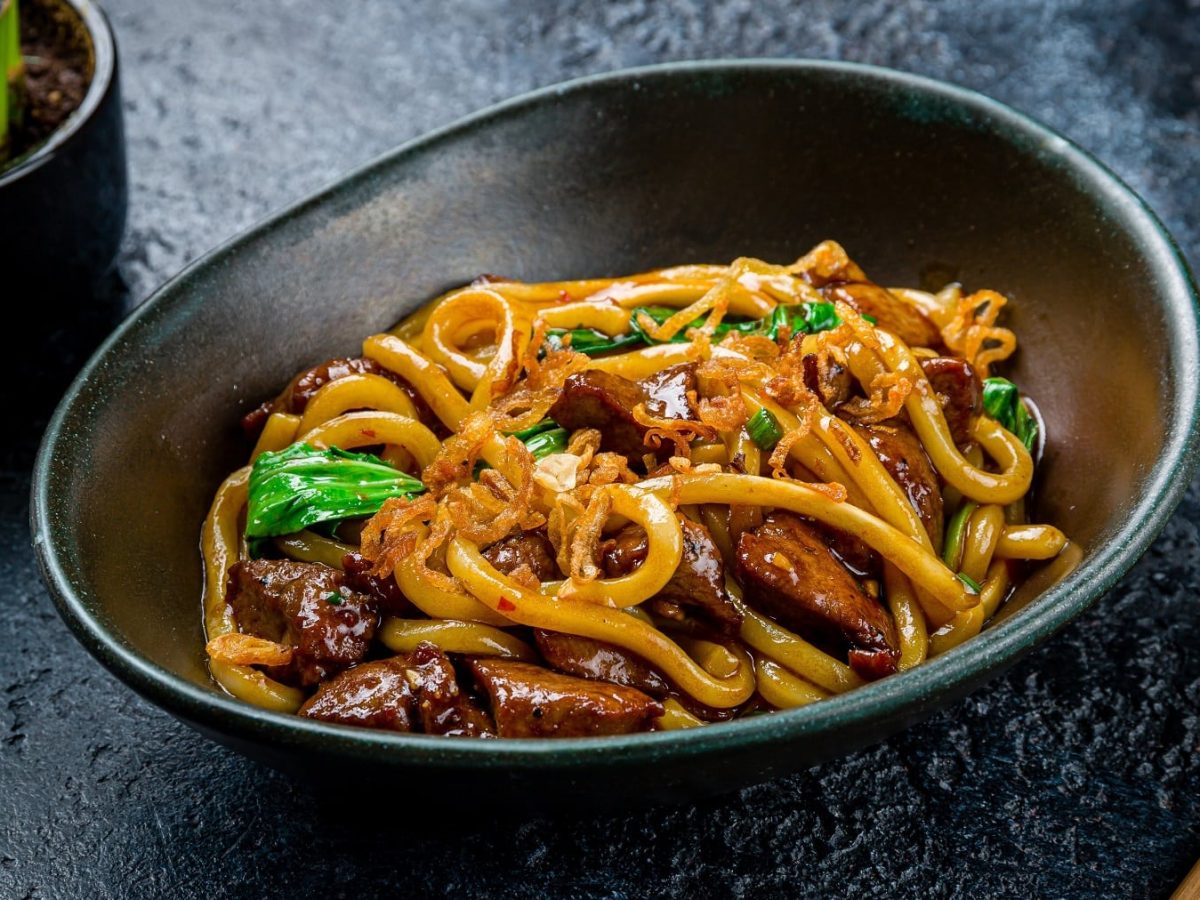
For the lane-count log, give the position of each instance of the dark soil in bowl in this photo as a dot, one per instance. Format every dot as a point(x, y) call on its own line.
point(59, 63)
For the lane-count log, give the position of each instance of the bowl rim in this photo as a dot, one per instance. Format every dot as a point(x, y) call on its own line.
point(104, 72)
point(909, 694)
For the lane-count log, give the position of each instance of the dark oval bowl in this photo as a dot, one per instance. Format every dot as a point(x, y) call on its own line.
point(610, 175)
point(62, 207)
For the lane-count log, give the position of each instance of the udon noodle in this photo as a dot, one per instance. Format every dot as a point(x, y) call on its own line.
point(621, 504)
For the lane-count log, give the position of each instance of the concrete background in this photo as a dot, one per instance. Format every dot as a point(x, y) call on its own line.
point(1077, 774)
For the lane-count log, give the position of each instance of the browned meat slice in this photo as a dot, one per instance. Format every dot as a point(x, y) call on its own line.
point(371, 695)
point(667, 391)
point(307, 606)
point(529, 701)
point(904, 458)
point(529, 548)
point(788, 572)
point(891, 313)
point(596, 399)
point(832, 386)
point(414, 692)
point(294, 398)
point(442, 707)
point(586, 658)
point(698, 584)
point(854, 553)
point(384, 591)
point(960, 392)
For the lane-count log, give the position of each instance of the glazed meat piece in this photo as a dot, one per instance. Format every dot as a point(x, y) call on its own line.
point(529, 701)
point(384, 592)
point(832, 386)
point(294, 398)
point(598, 399)
point(852, 552)
point(698, 584)
point(306, 606)
point(960, 392)
point(788, 572)
point(587, 658)
point(667, 391)
point(414, 692)
point(904, 458)
point(529, 548)
point(890, 312)
point(371, 695)
point(441, 706)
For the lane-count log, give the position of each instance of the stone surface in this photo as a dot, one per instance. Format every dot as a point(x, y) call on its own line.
point(1076, 774)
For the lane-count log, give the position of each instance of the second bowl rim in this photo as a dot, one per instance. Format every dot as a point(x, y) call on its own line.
point(988, 652)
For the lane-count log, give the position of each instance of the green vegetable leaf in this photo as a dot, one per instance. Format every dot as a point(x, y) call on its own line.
point(333, 599)
point(764, 429)
point(1002, 401)
point(302, 486)
point(797, 318)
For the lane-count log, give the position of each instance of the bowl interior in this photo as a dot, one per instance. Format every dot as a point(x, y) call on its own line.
point(920, 183)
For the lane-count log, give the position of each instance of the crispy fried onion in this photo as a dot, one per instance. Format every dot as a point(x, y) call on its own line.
point(247, 650)
point(826, 262)
point(679, 431)
point(973, 334)
point(888, 391)
point(683, 466)
point(391, 536)
point(490, 508)
point(756, 347)
point(862, 330)
point(778, 458)
point(530, 399)
point(584, 554)
point(455, 461)
point(787, 386)
point(722, 407)
point(715, 302)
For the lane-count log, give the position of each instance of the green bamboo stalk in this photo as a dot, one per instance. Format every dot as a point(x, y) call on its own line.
point(12, 103)
point(7, 7)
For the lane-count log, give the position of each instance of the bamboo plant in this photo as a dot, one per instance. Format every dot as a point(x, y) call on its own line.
point(12, 96)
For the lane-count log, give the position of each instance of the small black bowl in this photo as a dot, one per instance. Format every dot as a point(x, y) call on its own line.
point(620, 173)
point(62, 207)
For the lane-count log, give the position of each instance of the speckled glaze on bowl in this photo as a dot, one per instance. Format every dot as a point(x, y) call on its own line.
point(691, 162)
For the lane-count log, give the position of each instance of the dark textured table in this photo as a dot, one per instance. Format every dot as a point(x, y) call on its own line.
point(1076, 774)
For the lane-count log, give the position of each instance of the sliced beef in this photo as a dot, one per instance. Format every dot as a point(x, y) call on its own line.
point(602, 400)
point(587, 658)
point(698, 583)
point(904, 458)
point(414, 692)
point(891, 313)
point(385, 592)
point(529, 548)
point(667, 391)
point(960, 392)
point(788, 572)
point(441, 706)
point(529, 701)
point(371, 695)
point(294, 398)
point(854, 553)
point(307, 606)
point(832, 386)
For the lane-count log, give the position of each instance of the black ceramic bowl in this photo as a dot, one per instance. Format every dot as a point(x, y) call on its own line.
point(62, 207)
point(608, 175)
